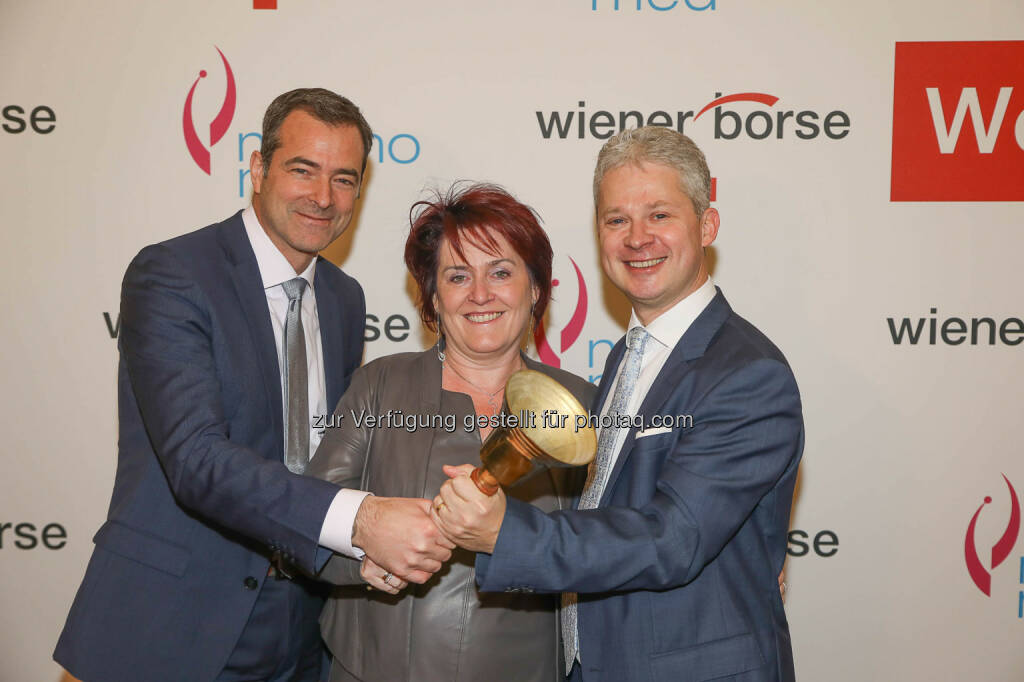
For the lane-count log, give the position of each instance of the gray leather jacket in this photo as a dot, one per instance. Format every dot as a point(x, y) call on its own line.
point(444, 630)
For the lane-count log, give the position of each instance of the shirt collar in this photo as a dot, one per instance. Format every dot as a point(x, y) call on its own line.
point(274, 267)
point(670, 326)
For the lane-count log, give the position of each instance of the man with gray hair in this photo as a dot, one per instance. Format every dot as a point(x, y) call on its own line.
point(668, 566)
point(233, 338)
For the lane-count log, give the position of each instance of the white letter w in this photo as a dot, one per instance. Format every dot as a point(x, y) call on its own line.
point(948, 137)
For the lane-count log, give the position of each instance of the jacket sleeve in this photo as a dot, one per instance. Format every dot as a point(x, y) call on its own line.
point(747, 432)
point(341, 459)
point(166, 342)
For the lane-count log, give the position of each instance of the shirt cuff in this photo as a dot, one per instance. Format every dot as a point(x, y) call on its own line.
point(336, 533)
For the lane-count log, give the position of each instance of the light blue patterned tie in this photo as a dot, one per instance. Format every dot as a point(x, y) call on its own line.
point(600, 470)
point(296, 427)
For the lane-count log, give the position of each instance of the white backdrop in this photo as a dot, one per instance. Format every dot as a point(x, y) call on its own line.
point(904, 441)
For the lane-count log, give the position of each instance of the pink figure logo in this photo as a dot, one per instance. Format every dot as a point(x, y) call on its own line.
point(979, 574)
point(572, 330)
point(200, 153)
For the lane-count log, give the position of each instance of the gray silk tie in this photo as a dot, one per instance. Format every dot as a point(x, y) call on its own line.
point(296, 428)
point(600, 470)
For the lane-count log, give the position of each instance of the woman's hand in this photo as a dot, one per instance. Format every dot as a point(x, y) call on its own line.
point(465, 515)
point(379, 579)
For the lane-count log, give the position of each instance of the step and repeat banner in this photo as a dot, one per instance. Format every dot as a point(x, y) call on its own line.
point(869, 169)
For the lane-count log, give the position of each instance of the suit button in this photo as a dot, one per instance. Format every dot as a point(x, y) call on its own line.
point(250, 583)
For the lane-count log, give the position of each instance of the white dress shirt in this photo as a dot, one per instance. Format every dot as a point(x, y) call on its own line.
point(665, 331)
point(336, 532)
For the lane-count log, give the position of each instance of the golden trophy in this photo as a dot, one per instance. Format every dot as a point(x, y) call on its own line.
point(542, 422)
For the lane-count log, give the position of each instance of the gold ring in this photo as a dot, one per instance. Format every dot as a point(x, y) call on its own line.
point(437, 507)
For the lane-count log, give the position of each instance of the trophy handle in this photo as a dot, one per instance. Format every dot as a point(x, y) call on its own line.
point(485, 481)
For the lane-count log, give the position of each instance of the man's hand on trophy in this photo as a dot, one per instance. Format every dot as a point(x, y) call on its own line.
point(398, 534)
point(465, 515)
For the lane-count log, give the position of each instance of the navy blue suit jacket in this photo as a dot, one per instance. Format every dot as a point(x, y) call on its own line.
point(201, 495)
point(677, 568)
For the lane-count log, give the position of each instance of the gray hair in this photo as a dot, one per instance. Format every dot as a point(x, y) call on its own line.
point(655, 144)
point(323, 105)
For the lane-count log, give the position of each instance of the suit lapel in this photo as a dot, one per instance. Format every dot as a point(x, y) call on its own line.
point(245, 274)
point(330, 314)
point(691, 346)
point(668, 380)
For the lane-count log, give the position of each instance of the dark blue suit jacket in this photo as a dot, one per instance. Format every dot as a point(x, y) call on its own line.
point(678, 567)
point(201, 495)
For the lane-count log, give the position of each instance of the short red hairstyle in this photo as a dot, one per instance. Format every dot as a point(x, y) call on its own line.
point(473, 211)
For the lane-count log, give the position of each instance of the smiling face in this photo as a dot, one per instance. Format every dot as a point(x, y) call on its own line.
point(306, 197)
point(483, 301)
point(652, 241)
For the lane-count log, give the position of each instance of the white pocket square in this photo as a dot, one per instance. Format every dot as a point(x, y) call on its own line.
point(653, 432)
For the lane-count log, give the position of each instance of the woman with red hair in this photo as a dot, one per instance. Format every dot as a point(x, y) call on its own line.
point(482, 265)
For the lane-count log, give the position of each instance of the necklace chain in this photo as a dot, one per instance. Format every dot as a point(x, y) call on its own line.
point(490, 395)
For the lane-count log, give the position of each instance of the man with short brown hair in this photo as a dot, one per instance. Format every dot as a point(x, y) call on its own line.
point(232, 338)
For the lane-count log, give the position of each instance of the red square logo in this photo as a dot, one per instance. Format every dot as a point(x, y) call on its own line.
point(958, 121)
point(264, 4)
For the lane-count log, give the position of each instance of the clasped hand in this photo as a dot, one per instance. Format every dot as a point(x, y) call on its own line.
point(400, 539)
point(407, 540)
point(465, 515)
